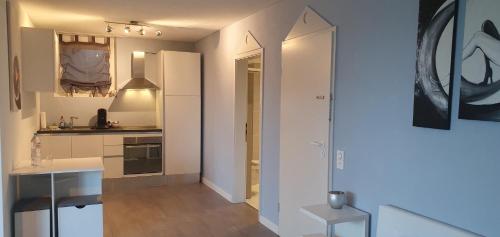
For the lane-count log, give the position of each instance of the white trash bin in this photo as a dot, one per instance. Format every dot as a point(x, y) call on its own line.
point(80, 217)
point(32, 218)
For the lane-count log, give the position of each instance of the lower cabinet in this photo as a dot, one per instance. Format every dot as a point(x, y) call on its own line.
point(113, 167)
point(80, 219)
point(86, 146)
point(57, 147)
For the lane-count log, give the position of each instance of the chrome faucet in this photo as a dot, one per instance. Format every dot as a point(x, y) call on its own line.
point(72, 121)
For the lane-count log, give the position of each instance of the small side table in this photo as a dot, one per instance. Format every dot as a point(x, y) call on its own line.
point(348, 221)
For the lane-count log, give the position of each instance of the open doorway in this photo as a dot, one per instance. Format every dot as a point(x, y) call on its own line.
point(248, 120)
point(253, 132)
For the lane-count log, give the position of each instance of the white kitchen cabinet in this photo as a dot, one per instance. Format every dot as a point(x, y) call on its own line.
point(113, 167)
point(182, 134)
point(113, 151)
point(112, 140)
point(86, 146)
point(113, 156)
point(181, 73)
point(181, 112)
point(40, 56)
point(57, 147)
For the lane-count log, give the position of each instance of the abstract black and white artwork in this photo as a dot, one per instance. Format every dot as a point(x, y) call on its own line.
point(434, 68)
point(480, 83)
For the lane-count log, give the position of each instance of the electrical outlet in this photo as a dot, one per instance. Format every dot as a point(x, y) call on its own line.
point(340, 159)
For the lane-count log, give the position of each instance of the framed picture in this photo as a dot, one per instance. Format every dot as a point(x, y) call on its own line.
point(434, 67)
point(14, 66)
point(480, 81)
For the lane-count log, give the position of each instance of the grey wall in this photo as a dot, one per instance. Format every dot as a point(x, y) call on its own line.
point(447, 175)
point(131, 108)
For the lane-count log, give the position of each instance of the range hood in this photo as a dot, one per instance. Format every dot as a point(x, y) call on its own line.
point(139, 80)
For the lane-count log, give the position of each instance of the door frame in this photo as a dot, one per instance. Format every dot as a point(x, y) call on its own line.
point(240, 162)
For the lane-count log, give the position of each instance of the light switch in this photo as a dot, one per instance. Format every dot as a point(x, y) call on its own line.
point(340, 159)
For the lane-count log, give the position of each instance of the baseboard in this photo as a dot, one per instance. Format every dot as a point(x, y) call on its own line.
point(269, 224)
point(217, 189)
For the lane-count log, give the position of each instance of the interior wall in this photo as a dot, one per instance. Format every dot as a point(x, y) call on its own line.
point(132, 108)
point(447, 175)
point(16, 128)
point(269, 27)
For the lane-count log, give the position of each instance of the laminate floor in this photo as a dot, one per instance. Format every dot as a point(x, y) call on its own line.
point(192, 210)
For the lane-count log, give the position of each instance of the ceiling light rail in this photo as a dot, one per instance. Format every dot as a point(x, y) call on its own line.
point(129, 25)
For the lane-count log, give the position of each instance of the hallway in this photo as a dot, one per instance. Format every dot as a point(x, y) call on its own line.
point(178, 211)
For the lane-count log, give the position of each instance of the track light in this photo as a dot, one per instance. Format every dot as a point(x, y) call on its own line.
point(109, 29)
point(131, 26)
point(142, 31)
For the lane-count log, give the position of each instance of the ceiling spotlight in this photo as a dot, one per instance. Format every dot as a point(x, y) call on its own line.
point(109, 29)
point(158, 33)
point(142, 31)
point(126, 29)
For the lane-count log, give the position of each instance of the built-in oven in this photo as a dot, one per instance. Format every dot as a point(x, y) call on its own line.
point(142, 155)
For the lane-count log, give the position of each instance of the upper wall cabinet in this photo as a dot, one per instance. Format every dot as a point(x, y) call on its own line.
point(181, 72)
point(39, 59)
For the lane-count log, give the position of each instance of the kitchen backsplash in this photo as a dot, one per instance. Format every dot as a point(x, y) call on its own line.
point(131, 108)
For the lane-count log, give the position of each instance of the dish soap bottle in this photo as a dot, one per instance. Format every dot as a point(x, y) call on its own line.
point(62, 123)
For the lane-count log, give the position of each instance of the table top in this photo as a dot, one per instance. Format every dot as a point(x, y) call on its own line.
point(329, 216)
point(57, 166)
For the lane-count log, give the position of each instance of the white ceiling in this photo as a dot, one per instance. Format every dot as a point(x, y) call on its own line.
point(179, 20)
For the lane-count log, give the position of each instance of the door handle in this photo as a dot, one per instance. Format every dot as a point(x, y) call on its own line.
point(317, 143)
point(321, 145)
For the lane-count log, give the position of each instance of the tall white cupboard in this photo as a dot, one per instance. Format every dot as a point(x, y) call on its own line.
point(182, 112)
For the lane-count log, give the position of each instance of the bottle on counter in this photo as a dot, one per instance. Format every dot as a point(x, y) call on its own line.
point(62, 123)
point(36, 153)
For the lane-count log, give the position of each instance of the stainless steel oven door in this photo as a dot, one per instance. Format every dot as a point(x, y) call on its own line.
point(141, 159)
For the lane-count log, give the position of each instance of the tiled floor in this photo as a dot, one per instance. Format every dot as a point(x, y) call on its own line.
point(178, 211)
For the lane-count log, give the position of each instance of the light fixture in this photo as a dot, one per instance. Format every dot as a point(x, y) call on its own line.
point(109, 28)
point(142, 31)
point(131, 26)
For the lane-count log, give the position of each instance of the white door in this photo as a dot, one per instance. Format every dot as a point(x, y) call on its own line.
point(304, 136)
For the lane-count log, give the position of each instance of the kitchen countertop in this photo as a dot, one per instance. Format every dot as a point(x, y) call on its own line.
point(58, 166)
point(90, 130)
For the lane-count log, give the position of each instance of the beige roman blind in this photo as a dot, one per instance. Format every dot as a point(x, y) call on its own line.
point(85, 64)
